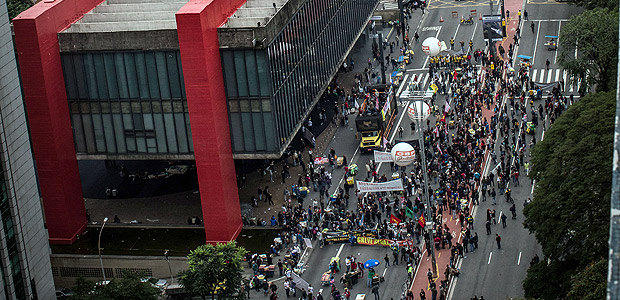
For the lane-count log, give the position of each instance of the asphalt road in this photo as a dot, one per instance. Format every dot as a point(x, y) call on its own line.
point(496, 274)
point(489, 268)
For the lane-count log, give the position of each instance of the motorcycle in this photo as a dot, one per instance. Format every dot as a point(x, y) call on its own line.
point(468, 21)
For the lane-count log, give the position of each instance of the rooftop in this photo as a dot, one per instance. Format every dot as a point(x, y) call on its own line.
point(254, 13)
point(129, 15)
point(257, 22)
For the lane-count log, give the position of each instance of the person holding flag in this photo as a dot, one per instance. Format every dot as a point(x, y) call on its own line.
point(394, 219)
point(409, 213)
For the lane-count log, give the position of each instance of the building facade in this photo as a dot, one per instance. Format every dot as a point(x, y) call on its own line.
point(24, 250)
point(207, 80)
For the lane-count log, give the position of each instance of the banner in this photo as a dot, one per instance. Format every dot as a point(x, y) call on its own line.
point(321, 160)
point(368, 187)
point(546, 87)
point(308, 242)
point(363, 240)
point(381, 156)
point(299, 282)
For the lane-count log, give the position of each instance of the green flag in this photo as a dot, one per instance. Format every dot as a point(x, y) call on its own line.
point(409, 213)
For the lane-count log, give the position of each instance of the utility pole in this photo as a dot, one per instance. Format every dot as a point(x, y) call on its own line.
point(427, 201)
point(403, 26)
point(382, 57)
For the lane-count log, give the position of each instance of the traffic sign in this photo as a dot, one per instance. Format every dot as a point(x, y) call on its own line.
point(376, 18)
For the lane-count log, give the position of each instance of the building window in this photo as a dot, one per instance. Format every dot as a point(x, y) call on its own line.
point(127, 102)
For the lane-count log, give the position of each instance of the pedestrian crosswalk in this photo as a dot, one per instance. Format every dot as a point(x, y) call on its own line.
point(554, 75)
point(388, 5)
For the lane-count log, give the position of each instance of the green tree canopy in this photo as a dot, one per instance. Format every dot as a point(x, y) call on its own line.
point(539, 285)
point(572, 166)
point(130, 287)
point(15, 7)
point(570, 211)
point(214, 270)
point(591, 283)
point(595, 34)
point(591, 4)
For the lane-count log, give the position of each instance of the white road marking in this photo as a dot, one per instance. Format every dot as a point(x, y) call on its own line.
point(490, 255)
point(500, 215)
point(578, 85)
point(320, 291)
point(564, 76)
point(339, 250)
point(425, 80)
point(402, 85)
point(472, 35)
point(519, 261)
point(536, 44)
point(533, 75)
point(575, 50)
point(549, 76)
point(557, 43)
point(417, 268)
point(542, 75)
point(384, 271)
point(557, 75)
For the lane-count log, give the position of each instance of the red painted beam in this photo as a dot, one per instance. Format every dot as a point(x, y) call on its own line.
point(197, 24)
point(36, 40)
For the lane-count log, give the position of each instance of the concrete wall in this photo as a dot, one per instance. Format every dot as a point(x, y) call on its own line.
point(66, 268)
point(119, 41)
point(20, 179)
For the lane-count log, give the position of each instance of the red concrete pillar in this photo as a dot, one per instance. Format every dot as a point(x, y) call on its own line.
point(43, 83)
point(197, 24)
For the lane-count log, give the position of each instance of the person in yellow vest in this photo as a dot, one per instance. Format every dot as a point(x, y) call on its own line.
point(471, 45)
point(452, 44)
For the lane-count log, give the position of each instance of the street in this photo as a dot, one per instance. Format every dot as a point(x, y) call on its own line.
point(491, 272)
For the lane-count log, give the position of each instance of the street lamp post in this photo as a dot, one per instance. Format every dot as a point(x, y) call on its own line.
point(99, 247)
point(169, 268)
point(420, 115)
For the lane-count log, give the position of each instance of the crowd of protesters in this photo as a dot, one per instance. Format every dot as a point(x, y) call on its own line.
point(457, 140)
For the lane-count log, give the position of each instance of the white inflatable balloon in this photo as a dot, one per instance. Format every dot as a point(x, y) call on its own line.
point(431, 46)
point(418, 110)
point(403, 154)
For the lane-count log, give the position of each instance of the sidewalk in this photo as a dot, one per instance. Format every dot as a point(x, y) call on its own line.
point(346, 80)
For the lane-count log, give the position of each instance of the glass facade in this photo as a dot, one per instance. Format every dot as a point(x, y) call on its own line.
point(300, 61)
point(248, 90)
point(11, 243)
point(127, 102)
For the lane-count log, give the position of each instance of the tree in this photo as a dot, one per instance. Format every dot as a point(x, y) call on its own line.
point(591, 4)
point(130, 287)
point(15, 7)
point(215, 270)
point(595, 34)
point(539, 285)
point(572, 166)
point(591, 283)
